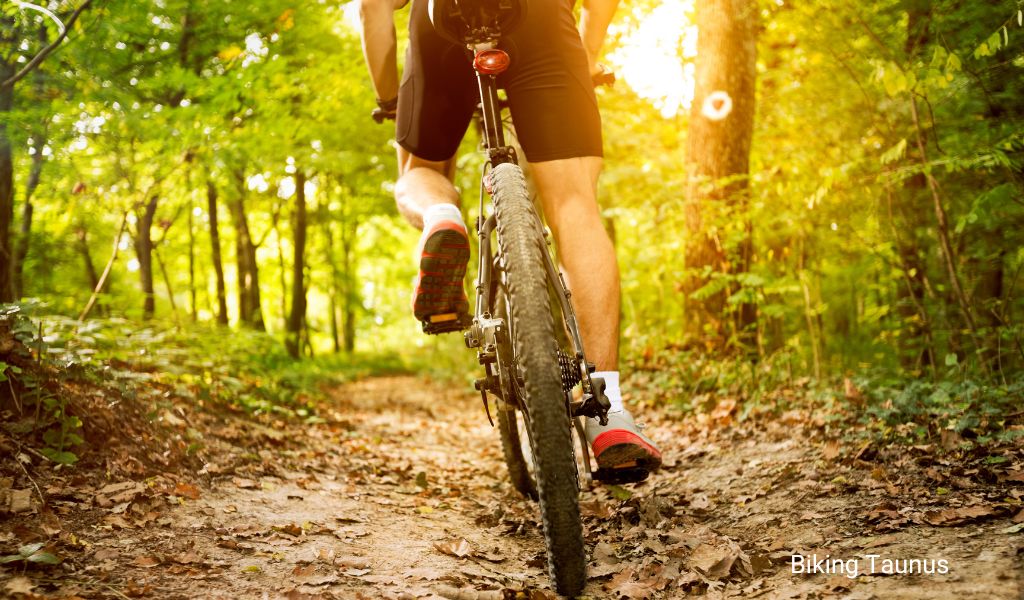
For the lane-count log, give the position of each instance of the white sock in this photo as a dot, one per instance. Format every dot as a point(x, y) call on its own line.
point(435, 213)
point(611, 389)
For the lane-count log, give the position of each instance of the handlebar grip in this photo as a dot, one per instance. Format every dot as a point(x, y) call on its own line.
point(380, 115)
point(604, 78)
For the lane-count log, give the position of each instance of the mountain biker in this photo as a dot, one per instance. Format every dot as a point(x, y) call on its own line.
point(552, 101)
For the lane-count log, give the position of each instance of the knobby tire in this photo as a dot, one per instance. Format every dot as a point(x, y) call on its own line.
point(521, 247)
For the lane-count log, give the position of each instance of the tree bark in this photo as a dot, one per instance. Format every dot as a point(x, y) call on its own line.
point(144, 252)
point(293, 330)
point(6, 187)
point(249, 310)
point(218, 265)
point(718, 151)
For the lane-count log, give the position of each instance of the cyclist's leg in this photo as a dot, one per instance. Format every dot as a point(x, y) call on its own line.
point(568, 194)
point(421, 184)
point(435, 105)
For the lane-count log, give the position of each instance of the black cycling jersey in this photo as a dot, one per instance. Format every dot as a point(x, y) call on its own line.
point(550, 92)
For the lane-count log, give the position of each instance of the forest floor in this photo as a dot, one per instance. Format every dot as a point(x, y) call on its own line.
point(401, 493)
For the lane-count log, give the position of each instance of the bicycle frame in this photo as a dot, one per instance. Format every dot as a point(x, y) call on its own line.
point(489, 333)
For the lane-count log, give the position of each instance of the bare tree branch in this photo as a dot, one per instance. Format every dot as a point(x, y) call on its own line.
point(39, 58)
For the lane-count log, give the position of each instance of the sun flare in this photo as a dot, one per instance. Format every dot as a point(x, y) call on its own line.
point(654, 55)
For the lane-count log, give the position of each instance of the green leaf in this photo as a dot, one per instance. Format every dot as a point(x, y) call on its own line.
point(953, 63)
point(44, 557)
point(895, 153)
point(1013, 528)
point(951, 360)
point(620, 493)
point(58, 456)
point(29, 549)
point(995, 42)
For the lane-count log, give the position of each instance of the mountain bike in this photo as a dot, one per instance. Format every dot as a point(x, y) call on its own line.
point(520, 294)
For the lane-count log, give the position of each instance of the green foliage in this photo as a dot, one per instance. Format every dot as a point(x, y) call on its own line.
point(31, 553)
point(917, 411)
point(249, 370)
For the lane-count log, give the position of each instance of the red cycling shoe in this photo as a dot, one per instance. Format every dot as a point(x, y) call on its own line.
point(438, 294)
point(621, 445)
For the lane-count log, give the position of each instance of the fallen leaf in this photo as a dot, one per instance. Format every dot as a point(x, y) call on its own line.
point(459, 548)
point(1017, 476)
point(118, 493)
point(146, 561)
point(301, 571)
point(952, 517)
point(291, 529)
point(707, 557)
point(245, 484)
point(831, 449)
point(21, 501)
point(19, 585)
point(106, 554)
point(187, 490)
point(596, 508)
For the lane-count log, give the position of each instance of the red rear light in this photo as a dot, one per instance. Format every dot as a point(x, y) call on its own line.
point(491, 62)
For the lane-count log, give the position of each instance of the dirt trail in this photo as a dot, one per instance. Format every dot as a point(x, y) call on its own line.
point(401, 493)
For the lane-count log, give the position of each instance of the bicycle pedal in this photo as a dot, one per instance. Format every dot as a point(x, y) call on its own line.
point(618, 476)
point(446, 323)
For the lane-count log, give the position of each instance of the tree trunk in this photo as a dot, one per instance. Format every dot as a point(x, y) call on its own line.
point(293, 329)
point(718, 151)
point(25, 230)
point(192, 263)
point(218, 265)
point(326, 222)
point(82, 244)
point(249, 310)
point(144, 252)
point(348, 320)
point(281, 269)
point(6, 186)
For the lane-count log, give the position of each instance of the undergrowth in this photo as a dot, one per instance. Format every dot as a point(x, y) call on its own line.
point(41, 355)
point(879, 404)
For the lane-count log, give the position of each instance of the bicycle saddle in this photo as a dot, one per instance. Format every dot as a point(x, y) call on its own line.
point(475, 21)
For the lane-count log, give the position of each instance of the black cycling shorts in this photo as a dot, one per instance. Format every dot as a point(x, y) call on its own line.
point(550, 92)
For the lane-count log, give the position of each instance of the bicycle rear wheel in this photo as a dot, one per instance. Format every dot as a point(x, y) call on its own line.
point(537, 377)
